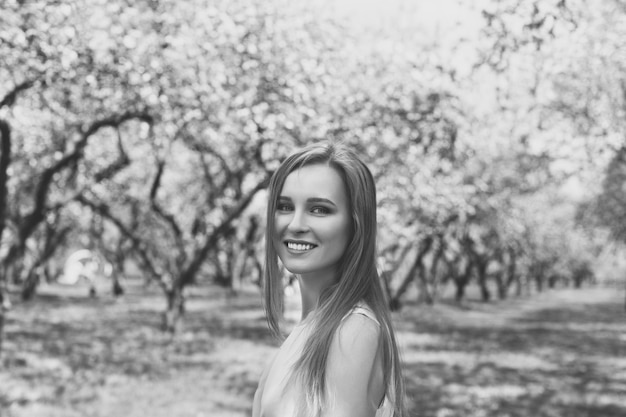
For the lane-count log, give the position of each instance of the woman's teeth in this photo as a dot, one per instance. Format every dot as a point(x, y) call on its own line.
point(300, 246)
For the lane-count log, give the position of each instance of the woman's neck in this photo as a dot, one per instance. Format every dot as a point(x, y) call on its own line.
point(311, 288)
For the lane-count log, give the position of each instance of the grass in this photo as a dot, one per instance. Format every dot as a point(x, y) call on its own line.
point(560, 353)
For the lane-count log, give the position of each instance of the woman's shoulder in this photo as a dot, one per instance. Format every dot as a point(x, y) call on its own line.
point(360, 327)
point(356, 338)
point(363, 309)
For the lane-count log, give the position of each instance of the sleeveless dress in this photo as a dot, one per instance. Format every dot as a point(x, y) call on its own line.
point(274, 398)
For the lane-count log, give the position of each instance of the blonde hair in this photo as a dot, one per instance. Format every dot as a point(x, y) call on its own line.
point(358, 276)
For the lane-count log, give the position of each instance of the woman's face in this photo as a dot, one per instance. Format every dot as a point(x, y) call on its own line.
point(312, 221)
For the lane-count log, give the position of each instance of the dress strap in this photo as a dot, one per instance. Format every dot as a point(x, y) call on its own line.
point(364, 310)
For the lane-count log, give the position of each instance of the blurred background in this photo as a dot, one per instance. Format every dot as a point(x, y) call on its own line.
point(138, 138)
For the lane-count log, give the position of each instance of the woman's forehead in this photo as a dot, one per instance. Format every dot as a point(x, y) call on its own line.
point(317, 180)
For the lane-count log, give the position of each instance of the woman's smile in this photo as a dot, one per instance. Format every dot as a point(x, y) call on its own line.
point(299, 246)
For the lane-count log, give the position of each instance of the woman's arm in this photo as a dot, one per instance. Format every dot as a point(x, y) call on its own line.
point(351, 380)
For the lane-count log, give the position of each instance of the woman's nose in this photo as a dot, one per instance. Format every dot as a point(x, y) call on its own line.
point(298, 222)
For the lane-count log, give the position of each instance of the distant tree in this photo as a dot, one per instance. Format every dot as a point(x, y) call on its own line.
point(611, 203)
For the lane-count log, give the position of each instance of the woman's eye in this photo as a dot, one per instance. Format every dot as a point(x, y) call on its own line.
point(283, 207)
point(320, 210)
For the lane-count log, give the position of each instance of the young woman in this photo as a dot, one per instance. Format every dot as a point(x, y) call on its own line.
point(341, 360)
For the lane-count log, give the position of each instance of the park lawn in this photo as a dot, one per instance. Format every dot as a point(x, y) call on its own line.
point(560, 353)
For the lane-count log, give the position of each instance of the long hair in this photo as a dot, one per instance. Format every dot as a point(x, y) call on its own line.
point(358, 276)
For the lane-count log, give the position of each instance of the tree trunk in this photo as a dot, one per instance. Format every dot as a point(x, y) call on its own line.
point(481, 271)
point(461, 282)
point(385, 277)
point(511, 270)
point(434, 267)
point(552, 281)
point(5, 161)
point(500, 275)
point(117, 270)
point(175, 309)
point(459, 294)
point(258, 266)
point(3, 309)
point(480, 261)
point(538, 275)
point(408, 279)
point(424, 295)
point(1, 329)
point(238, 268)
point(395, 300)
point(29, 285)
point(519, 288)
point(502, 289)
point(117, 288)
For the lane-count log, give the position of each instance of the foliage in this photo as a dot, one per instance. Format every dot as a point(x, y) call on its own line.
point(146, 131)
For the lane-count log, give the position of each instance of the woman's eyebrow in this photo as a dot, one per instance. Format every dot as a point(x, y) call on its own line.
point(320, 200)
point(310, 200)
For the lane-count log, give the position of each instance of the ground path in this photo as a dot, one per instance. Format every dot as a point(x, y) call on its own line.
point(560, 353)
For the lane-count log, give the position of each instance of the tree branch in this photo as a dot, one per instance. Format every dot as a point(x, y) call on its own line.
point(120, 163)
point(137, 244)
point(38, 213)
point(201, 254)
point(167, 217)
point(10, 98)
